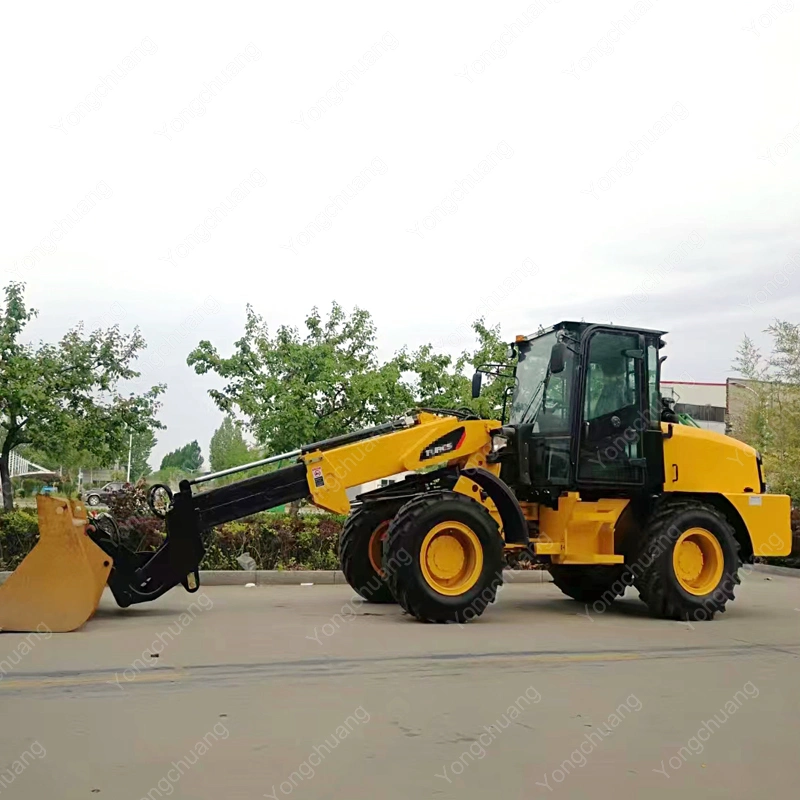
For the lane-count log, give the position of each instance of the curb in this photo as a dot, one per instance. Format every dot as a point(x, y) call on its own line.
point(773, 570)
point(320, 577)
point(269, 577)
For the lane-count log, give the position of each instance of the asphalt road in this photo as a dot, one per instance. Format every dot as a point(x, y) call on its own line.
point(289, 692)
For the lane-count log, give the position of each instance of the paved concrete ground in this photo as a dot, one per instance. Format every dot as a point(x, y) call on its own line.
point(284, 692)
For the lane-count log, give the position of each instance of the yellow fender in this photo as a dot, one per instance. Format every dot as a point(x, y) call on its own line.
point(59, 583)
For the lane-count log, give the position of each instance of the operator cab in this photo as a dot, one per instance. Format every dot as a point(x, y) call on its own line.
point(586, 410)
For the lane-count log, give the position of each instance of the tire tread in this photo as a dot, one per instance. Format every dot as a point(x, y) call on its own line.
point(661, 599)
point(402, 528)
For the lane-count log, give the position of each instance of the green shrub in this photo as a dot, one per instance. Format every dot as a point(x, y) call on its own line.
point(274, 540)
point(19, 531)
point(129, 501)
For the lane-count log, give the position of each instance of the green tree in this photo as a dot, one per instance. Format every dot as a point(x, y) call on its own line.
point(65, 396)
point(438, 380)
point(187, 458)
point(296, 388)
point(767, 414)
point(171, 476)
point(70, 460)
point(141, 449)
point(228, 447)
point(64, 457)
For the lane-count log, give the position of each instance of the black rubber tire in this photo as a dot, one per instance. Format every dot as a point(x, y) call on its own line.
point(654, 574)
point(401, 557)
point(588, 583)
point(354, 542)
point(93, 500)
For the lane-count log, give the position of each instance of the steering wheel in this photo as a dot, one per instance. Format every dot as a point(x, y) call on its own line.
point(550, 407)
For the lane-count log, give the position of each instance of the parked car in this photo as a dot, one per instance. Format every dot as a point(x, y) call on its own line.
point(48, 490)
point(94, 497)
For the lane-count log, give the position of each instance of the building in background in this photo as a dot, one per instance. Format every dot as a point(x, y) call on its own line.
point(740, 395)
point(706, 403)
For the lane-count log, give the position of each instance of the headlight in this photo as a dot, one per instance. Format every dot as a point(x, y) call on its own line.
point(498, 443)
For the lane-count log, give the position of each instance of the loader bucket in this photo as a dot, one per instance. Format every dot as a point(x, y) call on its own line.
point(59, 583)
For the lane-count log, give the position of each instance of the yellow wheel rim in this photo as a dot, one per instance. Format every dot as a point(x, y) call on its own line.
point(376, 546)
point(451, 558)
point(698, 561)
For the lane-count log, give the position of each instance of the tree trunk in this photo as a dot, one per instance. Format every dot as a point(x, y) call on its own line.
point(5, 480)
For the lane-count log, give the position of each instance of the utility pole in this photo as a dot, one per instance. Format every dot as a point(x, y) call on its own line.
point(130, 450)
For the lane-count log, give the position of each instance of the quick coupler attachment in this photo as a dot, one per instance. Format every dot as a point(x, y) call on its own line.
point(138, 577)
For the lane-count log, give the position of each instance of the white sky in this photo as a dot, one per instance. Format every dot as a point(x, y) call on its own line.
point(559, 100)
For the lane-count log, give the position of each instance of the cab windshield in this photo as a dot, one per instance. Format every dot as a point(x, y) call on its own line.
point(532, 367)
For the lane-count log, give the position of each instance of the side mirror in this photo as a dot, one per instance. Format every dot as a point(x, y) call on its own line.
point(558, 356)
point(476, 384)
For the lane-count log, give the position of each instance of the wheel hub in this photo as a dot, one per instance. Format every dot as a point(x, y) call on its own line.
point(446, 556)
point(698, 561)
point(376, 546)
point(451, 558)
point(690, 561)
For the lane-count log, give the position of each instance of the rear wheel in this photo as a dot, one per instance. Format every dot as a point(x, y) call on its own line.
point(361, 550)
point(689, 567)
point(589, 583)
point(443, 558)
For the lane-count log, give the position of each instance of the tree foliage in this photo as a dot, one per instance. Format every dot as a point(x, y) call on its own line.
point(187, 458)
point(64, 397)
point(769, 418)
point(228, 447)
point(295, 387)
point(141, 449)
point(438, 380)
point(171, 476)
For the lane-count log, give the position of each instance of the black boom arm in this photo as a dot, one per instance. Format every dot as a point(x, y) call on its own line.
point(139, 577)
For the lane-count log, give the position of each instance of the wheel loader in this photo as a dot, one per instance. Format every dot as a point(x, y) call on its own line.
point(592, 474)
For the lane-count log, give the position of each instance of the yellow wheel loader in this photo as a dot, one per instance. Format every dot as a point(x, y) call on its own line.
point(592, 475)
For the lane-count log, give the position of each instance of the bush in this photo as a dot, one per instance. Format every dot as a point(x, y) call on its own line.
point(19, 531)
point(142, 532)
point(129, 501)
point(273, 540)
point(29, 488)
point(276, 541)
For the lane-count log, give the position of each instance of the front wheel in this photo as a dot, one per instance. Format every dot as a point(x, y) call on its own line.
point(688, 569)
point(443, 558)
point(93, 500)
point(361, 550)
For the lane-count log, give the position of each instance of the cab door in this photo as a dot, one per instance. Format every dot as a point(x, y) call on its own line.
point(613, 412)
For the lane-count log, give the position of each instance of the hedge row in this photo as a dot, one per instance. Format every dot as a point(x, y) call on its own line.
point(274, 541)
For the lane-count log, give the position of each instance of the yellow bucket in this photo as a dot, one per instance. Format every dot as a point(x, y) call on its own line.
point(59, 583)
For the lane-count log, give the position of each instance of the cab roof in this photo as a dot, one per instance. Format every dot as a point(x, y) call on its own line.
point(580, 327)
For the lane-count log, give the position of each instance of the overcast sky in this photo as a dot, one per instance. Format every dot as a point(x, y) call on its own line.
point(633, 162)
